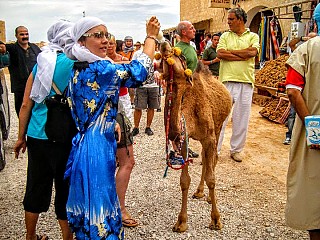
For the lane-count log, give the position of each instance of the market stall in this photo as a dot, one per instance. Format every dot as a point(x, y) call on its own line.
point(269, 80)
point(270, 90)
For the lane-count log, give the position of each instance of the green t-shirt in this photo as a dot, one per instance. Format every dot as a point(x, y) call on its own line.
point(210, 54)
point(190, 54)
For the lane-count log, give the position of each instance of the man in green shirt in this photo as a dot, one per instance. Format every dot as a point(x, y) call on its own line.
point(209, 56)
point(187, 32)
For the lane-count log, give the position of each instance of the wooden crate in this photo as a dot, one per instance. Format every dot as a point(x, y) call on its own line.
point(277, 110)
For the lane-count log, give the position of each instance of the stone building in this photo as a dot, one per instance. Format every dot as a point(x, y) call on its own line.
point(2, 31)
point(211, 15)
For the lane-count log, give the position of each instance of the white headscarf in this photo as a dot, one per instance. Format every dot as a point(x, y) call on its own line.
point(73, 49)
point(47, 60)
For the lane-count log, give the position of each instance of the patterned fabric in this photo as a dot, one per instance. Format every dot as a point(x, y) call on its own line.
point(316, 16)
point(93, 208)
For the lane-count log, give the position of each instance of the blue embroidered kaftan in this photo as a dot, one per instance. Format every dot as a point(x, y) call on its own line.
point(93, 208)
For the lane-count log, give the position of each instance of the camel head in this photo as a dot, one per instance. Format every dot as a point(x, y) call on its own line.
point(178, 80)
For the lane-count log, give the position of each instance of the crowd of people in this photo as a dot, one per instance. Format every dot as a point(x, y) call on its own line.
point(109, 83)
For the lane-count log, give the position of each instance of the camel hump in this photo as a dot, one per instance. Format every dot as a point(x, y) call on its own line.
point(201, 68)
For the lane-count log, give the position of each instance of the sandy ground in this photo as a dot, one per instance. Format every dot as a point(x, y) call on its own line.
point(251, 195)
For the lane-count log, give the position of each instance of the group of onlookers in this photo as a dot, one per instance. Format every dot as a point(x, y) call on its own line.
point(87, 188)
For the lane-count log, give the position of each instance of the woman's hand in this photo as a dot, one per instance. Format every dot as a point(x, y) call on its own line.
point(20, 144)
point(157, 77)
point(315, 146)
point(153, 27)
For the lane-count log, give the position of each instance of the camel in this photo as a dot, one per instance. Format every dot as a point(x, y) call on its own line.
point(205, 103)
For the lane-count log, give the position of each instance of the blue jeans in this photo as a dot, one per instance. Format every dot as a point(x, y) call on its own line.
point(290, 121)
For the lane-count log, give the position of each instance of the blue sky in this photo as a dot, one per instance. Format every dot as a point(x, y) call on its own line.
point(122, 17)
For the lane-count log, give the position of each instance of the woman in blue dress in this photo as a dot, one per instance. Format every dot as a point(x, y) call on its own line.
point(93, 208)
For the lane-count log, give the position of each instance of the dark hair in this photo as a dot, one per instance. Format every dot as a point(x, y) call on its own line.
point(208, 34)
point(240, 13)
point(17, 28)
point(216, 35)
point(119, 45)
point(82, 38)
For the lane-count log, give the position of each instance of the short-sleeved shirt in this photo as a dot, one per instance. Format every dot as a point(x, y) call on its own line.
point(294, 79)
point(190, 54)
point(209, 44)
point(150, 78)
point(238, 71)
point(208, 55)
point(61, 76)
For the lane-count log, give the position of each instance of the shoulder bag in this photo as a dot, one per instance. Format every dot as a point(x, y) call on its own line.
point(60, 126)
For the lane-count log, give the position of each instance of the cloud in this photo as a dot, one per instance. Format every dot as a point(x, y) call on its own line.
point(122, 17)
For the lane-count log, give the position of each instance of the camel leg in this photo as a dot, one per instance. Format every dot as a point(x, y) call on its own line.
point(181, 225)
point(211, 158)
point(200, 190)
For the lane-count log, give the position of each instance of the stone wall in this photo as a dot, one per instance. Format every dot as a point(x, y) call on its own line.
point(215, 19)
point(2, 31)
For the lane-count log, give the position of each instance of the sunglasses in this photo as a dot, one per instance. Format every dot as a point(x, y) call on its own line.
point(100, 34)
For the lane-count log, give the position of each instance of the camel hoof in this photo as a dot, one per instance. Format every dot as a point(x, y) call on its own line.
point(209, 200)
point(180, 227)
point(215, 225)
point(198, 195)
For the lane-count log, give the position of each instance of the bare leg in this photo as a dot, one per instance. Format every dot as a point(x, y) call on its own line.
point(66, 231)
point(181, 225)
point(131, 94)
point(150, 114)
point(136, 117)
point(126, 164)
point(31, 220)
